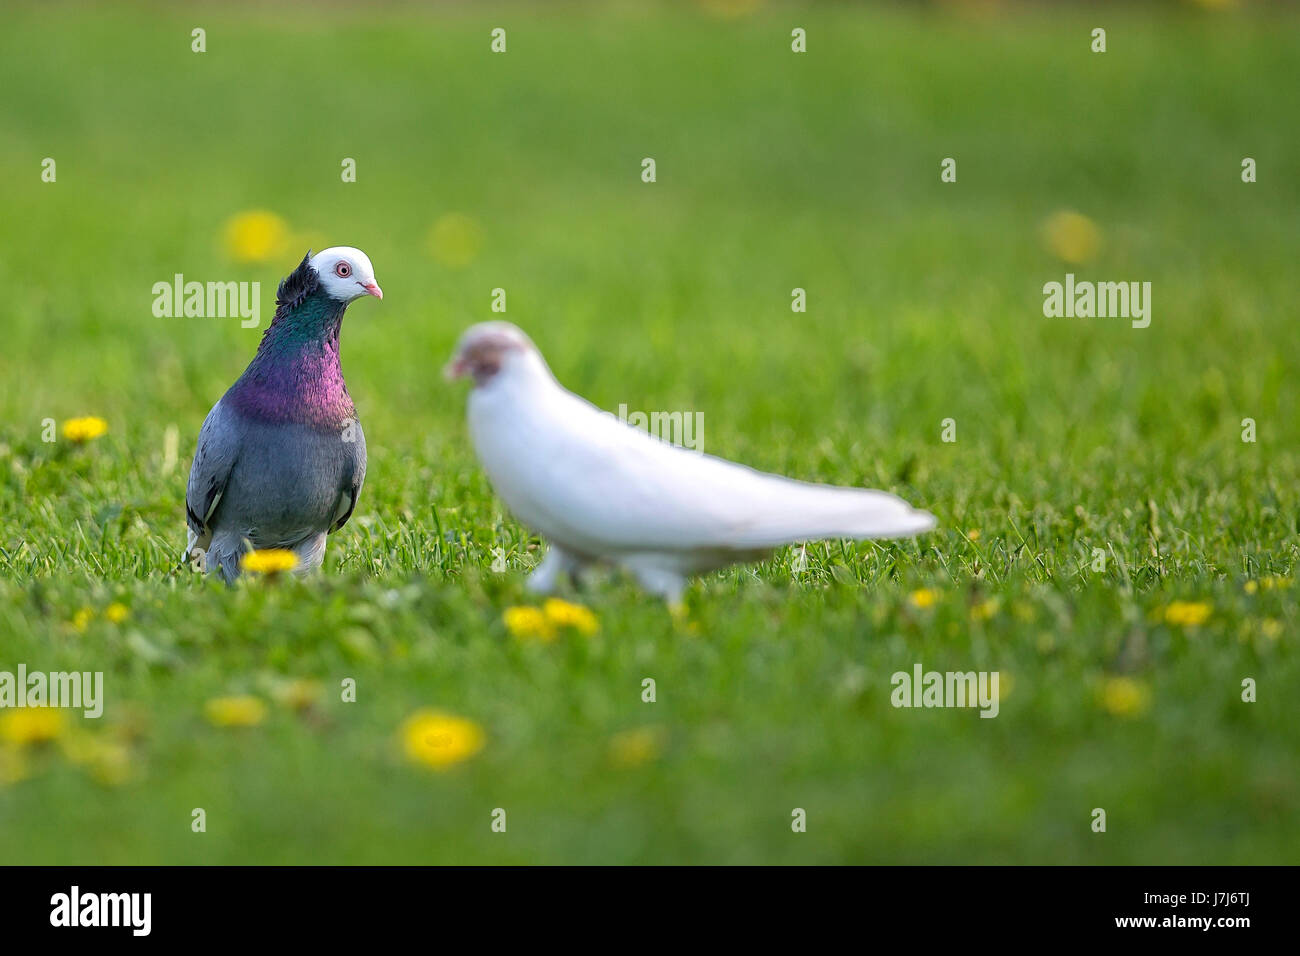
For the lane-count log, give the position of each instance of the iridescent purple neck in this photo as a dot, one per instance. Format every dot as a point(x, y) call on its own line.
point(296, 376)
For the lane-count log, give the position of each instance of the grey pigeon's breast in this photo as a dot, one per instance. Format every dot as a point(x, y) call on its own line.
point(288, 481)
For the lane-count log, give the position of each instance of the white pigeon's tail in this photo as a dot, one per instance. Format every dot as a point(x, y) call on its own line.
point(796, 511)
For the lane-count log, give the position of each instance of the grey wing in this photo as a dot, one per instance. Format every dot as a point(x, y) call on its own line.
point(352, 482)
point(218, 448)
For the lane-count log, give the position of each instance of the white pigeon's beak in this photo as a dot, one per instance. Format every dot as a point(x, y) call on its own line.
point(372, 288)
point(456, 368)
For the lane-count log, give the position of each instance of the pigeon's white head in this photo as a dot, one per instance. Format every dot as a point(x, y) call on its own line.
point(346, 273)
point(493, 350)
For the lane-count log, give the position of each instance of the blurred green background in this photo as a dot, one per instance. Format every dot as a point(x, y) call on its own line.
point(775, 170)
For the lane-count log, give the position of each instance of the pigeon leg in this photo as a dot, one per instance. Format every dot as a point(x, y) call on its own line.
point(224, 555)
point(311, 554)
point(657, 579)
point(557, 563)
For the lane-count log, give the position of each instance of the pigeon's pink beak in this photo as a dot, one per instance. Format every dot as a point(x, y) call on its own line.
point(456, 368)
point(373, 289)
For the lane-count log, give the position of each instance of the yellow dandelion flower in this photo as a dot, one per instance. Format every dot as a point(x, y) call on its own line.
point(1187, 613)
point(82, 430)
point(563, 614)
point(269, 561)
point(925, 597)
point(242, 710)
point(440, 740)
point(1271, 628)
point(527, 622)
point(1124, 697)
point(111, 764)
point(1272, 582)
point(632, 748)
point(81, 620)
point(299, 693)
point(107, 761)
point(973, 534)
point(985, 609)
point(1251, 587)
point(31, 725)
point(117, 612)
point(455, 240)
point(256, 236)
point(1072, 236)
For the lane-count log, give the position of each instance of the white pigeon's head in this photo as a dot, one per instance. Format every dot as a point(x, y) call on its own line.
point(491, 350)
point(346, 273)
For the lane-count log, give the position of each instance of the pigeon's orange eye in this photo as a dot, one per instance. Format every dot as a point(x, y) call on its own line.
point(343, 270)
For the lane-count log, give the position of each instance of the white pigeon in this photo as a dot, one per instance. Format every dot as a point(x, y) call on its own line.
point(601, 491)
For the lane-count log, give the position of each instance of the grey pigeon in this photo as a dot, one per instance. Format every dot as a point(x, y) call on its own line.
point(281, 457)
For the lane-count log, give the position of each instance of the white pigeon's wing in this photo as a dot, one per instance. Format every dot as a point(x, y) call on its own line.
point(596, 485)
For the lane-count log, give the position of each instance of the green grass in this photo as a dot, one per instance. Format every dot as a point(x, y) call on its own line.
point(775, 170)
